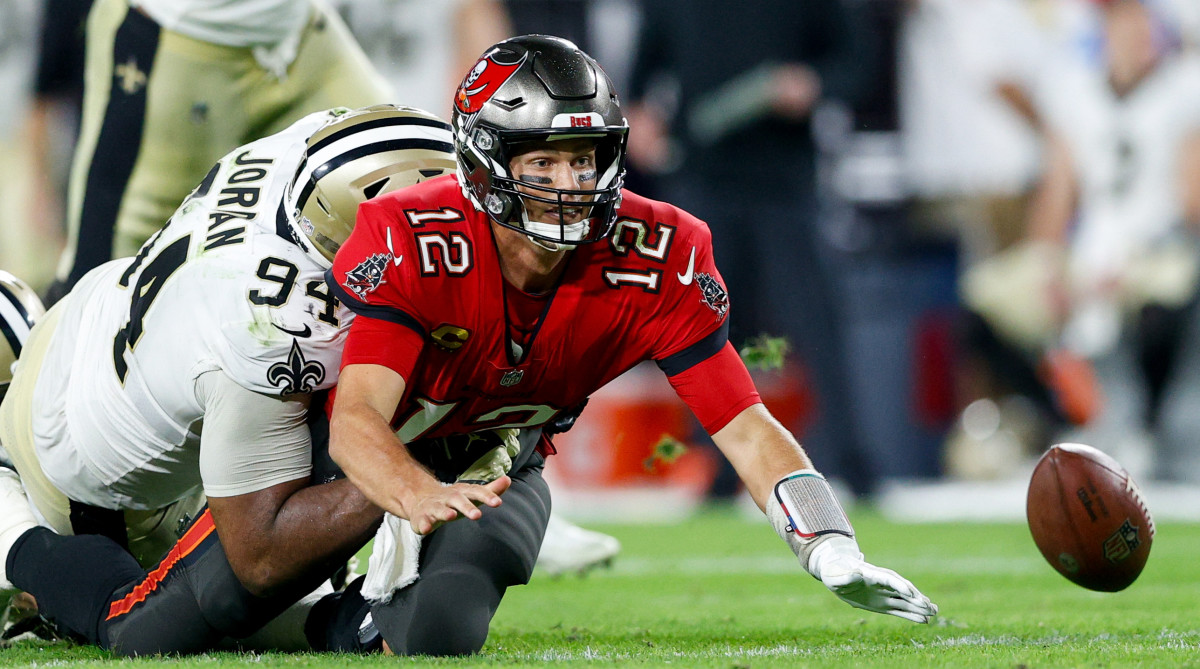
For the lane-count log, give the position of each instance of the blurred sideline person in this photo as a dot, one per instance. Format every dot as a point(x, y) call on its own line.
point(53, 123)
point(498, 299)
point(172, 85)
point(199, 368)
point(1109, 266)
point(421, 50)
point(971, 162)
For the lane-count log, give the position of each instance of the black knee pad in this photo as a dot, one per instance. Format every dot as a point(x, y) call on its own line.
point(506, 541)
point(73, 577)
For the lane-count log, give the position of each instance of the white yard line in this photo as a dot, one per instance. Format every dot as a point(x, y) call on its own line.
point(786, 564)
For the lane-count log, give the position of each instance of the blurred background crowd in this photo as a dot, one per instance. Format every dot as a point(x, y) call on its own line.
point(974, 221)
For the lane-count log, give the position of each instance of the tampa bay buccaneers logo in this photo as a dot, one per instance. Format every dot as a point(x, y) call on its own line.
point(367, 275)
point(713, 294)
point(484, 80)
point(297, 375)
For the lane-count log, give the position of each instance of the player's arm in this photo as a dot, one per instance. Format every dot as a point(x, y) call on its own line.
point(780, 477)
point(1189, 179)
point(362, 443)
point(1056, 196)
point(284, 532)
point(381, 350)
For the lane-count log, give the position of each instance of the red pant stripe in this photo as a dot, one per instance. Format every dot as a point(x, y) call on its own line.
point(188, 543)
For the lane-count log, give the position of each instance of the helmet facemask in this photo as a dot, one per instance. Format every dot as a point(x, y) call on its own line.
point(596, 206)
point(539, 88)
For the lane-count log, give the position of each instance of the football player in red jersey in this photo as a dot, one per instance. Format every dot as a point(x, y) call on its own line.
point(499, 298)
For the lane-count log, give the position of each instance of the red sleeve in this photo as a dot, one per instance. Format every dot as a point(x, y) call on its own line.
point(716, 389)
point(371, 273)
point(376, 342)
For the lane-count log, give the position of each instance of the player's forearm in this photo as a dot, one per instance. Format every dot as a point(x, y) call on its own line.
point(362, 443)
point(292, 536)
point(317, 529)
point(761, 450)
point(1055, 198)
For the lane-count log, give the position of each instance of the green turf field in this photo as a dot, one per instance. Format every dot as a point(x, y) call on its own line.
point(723, 591)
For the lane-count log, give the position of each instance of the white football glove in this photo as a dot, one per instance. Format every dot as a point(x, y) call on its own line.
point(839, 564)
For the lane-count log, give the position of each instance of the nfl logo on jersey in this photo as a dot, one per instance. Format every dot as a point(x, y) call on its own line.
point(512, 377)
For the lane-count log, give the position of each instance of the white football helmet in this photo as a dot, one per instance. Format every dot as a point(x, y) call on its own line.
point(356, 156)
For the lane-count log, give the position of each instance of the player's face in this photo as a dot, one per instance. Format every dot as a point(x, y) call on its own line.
point(568, 165)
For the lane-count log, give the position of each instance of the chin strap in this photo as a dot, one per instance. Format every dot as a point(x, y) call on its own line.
point(574, 232)
point(553, 247)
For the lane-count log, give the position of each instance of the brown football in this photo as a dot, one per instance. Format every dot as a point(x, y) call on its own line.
point(1088, 518)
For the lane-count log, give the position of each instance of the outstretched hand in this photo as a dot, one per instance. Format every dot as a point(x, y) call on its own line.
point(840, 567)
point(440, 504)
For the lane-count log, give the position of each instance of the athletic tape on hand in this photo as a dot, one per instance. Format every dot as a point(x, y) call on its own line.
point(805, 513)
point(810, 505)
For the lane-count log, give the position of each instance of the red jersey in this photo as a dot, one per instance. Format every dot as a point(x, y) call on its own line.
point(422, 273)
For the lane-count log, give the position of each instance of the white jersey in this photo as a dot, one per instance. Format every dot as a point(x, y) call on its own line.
point(238, 23)
point(960, 138)
point(1126, 157)
point(223, 287)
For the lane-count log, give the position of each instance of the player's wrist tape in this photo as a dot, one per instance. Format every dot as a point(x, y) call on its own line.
point(805, 513)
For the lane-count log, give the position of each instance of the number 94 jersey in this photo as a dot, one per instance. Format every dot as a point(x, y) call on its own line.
point(224, 286)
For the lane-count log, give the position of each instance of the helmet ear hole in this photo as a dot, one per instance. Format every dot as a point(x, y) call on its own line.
point(372, 190)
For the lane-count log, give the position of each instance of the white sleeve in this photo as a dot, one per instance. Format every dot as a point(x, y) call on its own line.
point(250, 441)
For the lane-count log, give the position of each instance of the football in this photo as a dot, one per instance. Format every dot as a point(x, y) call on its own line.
point(1088, 518)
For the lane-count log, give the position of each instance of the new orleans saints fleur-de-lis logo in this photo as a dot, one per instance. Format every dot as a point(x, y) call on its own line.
point(297, 375)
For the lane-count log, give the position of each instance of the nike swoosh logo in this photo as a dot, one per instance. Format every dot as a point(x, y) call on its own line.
point(307, 331)
point(686, 277)
point(392, 251)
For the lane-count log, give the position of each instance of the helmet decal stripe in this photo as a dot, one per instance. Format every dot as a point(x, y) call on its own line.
point(389, 122)
point(14, 342)
point(324, 151)
point(14, 320)
point(365, 150)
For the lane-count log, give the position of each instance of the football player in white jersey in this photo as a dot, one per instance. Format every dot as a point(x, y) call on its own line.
point(1127, 233)
point(197, 368)
point(1110, 267)
point(172, 85)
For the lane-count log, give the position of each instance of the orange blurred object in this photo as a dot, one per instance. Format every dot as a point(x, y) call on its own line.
point(617, 433)
point(1072, 382)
